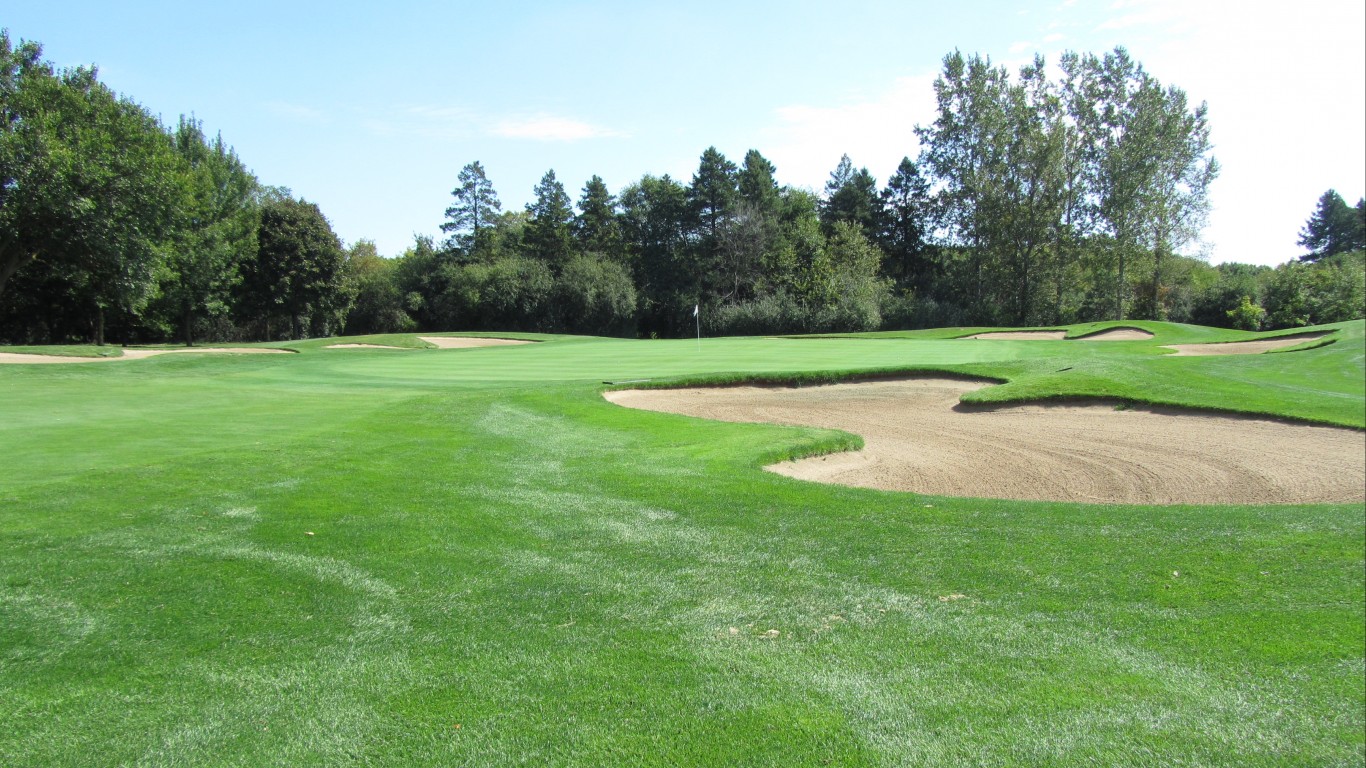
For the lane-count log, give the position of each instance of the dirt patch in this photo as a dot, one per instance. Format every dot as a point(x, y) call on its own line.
point(133, 354)
point(1118, 334)
point(1244, 347)
point(467, 342)
point(361, 346)
point(917, 438)
point(1020, 335)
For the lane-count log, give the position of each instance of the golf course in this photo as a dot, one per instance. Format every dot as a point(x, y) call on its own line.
point(396, 550)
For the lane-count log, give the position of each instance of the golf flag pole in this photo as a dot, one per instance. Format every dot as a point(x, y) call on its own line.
point(695, 317)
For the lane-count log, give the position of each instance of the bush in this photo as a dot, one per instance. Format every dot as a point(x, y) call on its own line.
point(596, 296)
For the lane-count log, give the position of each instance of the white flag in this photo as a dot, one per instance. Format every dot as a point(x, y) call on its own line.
point(694, 310)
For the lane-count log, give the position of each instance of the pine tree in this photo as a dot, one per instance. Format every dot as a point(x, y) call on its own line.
point(596, 228)
point(1333, 228)
point(756, 184)
point(469, 217)
point(906, 202)
point(851, 195)
point(549, 233)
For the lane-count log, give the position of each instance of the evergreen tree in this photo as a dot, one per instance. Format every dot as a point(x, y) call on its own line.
point(907, 225)
point(851, 195)
point(596, 228)
point(713, 193)
point(471, 214)
point(756, 184)
point(549, 232)
point(1334, 228)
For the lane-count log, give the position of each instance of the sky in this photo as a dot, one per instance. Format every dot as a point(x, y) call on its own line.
point(370, 110)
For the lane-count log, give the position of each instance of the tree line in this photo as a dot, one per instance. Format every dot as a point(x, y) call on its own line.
point(1033, 201)
point(112, 222)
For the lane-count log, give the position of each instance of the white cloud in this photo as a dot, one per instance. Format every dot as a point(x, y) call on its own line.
point(807, 140)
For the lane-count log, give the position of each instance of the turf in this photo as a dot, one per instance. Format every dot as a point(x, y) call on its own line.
point(467, 557)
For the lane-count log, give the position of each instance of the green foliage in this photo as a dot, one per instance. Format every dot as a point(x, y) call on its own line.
point(595, 295)
point(509, 293)
point(596, 228)
point(851, 196)
point(379, 305)
point(550, 220)
point(756, 185)
point(475, 205)
point(907, 227)
point(1333, 228)
point(215, 233)
point(297, 278)
point(1247, 316)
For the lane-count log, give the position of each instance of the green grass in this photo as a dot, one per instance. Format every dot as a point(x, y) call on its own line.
point(338, 557)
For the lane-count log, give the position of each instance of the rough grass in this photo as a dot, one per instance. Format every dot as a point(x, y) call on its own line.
point(468, 557)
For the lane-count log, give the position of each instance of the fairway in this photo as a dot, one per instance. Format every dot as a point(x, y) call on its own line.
point(467, 556)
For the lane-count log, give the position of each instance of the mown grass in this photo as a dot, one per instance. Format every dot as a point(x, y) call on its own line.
point(466, 557)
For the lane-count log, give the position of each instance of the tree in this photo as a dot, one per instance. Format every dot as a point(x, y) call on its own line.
point(32, 198)
point(654, 218)
point(379, 305)
point(549, 233)
point(1333, 228)
point(474, 208)
point(907, 226)
point(216, 228)
point(756, 185)
point(595, 295)
point(298, 272)
point(852, 196)
point(1152, 168)
point(713, 193)
point(88, 180)
point(596, 228)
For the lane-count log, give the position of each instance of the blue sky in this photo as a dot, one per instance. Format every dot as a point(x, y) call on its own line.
point(371, 110)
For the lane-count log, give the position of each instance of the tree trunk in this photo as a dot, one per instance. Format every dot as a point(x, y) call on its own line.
point(99, 325)
point(11, 265)
point(1119, 287)
point(187, 324)
point(1157, 277)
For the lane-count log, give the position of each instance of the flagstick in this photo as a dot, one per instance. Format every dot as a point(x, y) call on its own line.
point(698, 318)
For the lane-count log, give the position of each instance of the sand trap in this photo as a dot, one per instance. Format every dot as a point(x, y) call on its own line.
point(133, 354)
point(1118, 334)
point(361, 346)
point(916, 440)
point(1243, 347)
point(1020, 335)
point(466, 342)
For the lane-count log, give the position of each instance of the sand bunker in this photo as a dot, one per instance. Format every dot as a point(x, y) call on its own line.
point(1020, 335)
point(361, 346)
point(466, 342)
point(916, 440)
point(1118, 334)
point(133, 354)
point(1243, 347)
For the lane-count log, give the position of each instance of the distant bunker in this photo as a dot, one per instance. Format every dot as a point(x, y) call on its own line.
point(1244, 347)
point(134, 354)
point(1109, 334)
point(467, 342)
point(919, 438)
